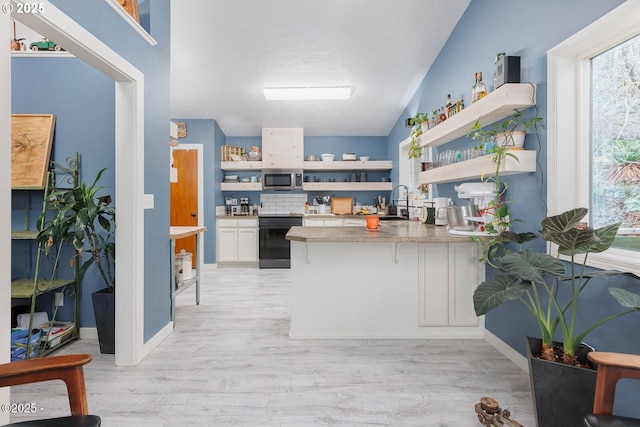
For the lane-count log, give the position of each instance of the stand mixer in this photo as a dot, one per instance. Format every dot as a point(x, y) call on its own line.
point(480, 195)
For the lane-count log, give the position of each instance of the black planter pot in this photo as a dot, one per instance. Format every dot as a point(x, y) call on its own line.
point(104, 309)
point(562, 394)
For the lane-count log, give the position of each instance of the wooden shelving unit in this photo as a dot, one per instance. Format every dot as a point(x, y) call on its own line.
point(346, 186)
point(241, 186)
point(348, 165)
point(241, 166)
point(497, 105)
point(480, 167)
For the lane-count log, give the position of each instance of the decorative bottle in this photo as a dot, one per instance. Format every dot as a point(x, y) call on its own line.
point(479, 89)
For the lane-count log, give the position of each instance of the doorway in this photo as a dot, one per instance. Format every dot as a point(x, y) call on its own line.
point(186, 200)
point(129, 182)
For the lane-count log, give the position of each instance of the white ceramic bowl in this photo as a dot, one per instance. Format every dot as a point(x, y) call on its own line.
point(364, 158)
point(349, 156)
point(327, 157)
point(254, 155)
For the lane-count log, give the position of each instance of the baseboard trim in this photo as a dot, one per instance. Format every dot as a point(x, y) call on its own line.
point(507, 350)
point(156, 340)
point(88, 333)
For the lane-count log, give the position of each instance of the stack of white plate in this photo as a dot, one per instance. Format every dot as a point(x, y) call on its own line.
point(231, 178)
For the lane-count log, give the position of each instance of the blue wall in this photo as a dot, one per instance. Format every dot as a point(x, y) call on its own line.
point(83, 100)
point(472, 47)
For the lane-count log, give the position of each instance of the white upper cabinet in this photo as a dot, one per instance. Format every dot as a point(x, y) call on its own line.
point(282, 148)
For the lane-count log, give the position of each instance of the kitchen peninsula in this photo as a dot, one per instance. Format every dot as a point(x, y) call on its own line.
point(407, 280)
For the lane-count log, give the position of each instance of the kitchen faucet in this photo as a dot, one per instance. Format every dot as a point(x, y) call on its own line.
point(406, 189)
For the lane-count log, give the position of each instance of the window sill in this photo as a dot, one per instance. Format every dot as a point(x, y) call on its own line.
point(132, 22)
point(613, 259)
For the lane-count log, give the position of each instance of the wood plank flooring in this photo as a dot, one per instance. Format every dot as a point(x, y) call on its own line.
point(230, 362)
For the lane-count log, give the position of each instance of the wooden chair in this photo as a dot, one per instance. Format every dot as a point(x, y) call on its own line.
point(67, 368)
point(611, 368)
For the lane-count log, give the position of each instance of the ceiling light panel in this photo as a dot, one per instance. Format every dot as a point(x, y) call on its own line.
point(306, 93)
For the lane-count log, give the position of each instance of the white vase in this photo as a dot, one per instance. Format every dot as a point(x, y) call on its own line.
point(511, 140)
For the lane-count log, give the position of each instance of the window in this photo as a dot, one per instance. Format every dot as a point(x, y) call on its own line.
point(586, 127)
point(615, 141)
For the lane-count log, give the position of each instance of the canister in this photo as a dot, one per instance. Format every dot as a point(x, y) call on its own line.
point(185, 258)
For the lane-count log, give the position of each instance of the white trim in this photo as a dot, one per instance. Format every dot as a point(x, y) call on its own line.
point(41, 54)
point(5, 208)
point(200, 150)
point(568, 84)
point(504, 348)
point(132, 22)
point(150, 345)
point(88, 333)
point(129, 164)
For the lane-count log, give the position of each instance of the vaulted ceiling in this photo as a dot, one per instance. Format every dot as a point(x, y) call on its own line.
point(224, 52)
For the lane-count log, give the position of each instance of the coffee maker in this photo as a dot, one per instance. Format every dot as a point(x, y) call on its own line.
point(440, 206)
point(244, 206)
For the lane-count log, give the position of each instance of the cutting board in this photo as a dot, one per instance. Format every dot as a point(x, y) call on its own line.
point(342, 205)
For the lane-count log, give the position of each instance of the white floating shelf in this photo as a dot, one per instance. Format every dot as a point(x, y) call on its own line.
point(241, 186)
point(497, 105)
point(348, 165)
point(243, 165)
point(480, 167)
point(346, 186)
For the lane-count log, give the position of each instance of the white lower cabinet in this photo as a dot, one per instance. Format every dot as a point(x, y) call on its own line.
point(354, 222)
point(237, 241)
point(448, 275)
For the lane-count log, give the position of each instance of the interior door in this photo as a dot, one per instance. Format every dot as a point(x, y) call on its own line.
point(184, 198)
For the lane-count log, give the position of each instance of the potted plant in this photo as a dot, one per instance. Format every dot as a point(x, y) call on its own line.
point(90, 220)
point(415, 150)
point(509, 133)
point(535, 279)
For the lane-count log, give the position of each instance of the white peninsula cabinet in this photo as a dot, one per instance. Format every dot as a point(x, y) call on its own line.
point(448, 275)
point(237, 241)
point(408, 280)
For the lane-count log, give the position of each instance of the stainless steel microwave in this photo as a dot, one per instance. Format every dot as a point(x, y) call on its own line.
point(282, 179)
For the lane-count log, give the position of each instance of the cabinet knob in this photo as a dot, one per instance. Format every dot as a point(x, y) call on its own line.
point(193, 214)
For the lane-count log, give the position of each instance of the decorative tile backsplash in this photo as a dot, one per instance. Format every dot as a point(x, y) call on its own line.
point(282, 203)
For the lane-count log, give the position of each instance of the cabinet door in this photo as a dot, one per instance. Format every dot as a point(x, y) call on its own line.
point(354, 222)
point(465, 273)
point(313, 222)
point(282, 148)
point(333, 222)
point(247, 245)
point(227, 248)
point(433, 285)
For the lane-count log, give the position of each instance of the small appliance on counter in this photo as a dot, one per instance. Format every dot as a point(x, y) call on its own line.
point(244, 206)
point(229, 204)
point(440, 205)
point(470, 219)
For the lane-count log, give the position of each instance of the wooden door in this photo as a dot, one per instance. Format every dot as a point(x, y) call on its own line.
point(184, 197)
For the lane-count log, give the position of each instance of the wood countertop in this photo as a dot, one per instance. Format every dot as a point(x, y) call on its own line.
point(391, 231)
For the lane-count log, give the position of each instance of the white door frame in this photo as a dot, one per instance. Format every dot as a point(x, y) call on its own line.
point(199, 148)
point(5, 208)
point(129, 168)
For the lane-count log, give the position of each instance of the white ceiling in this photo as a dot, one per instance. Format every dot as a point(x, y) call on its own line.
point(224, 52)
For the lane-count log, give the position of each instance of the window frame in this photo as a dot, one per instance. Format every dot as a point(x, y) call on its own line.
point(568, 125)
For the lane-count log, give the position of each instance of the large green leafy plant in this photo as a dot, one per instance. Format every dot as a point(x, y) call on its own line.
point(534, 278)
point(89, 220)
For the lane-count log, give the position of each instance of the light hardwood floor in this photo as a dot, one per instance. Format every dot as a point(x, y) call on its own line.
point(230, 362)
